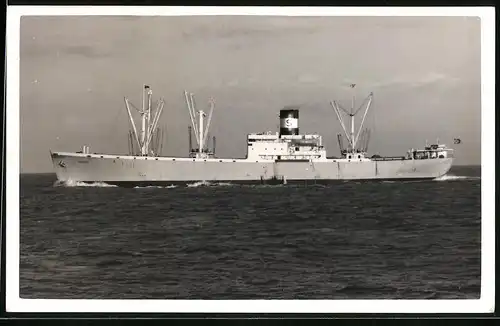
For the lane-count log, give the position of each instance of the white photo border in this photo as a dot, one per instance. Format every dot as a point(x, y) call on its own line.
point(15, 304)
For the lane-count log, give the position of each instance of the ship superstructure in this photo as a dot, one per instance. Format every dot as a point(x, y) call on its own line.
point(287, 144)
point(282, 156)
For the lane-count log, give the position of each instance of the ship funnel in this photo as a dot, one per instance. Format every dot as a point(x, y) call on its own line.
point(289, 121)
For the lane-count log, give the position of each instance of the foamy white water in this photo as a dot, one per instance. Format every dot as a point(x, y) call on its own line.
point(198, 184)
point(207, 183)
point(71, 183)
point(223, 184)
point(158, 187)
point(455, 177)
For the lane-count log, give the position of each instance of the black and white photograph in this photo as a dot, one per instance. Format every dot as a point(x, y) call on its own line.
point(241, 155)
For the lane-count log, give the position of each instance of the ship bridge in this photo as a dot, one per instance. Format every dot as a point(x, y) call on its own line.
point(287, 144)
point(273, 147)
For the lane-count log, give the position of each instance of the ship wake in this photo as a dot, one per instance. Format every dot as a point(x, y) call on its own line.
point(71, 183)
point(455, 178)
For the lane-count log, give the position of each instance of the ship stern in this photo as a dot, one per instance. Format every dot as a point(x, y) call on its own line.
point(445, 166)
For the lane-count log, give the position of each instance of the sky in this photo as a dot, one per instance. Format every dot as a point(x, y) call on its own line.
point(75, 71)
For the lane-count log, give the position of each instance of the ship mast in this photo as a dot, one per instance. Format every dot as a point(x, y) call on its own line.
point(199, 127)
point(352, 137)
point(143, 119)
point(352, 115)
point(200, 141)
point(148, 126)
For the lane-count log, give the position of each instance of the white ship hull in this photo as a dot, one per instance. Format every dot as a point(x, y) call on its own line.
point(284, 156)
point(143, 171)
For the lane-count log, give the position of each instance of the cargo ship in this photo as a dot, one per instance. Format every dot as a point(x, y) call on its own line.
point(284, 156)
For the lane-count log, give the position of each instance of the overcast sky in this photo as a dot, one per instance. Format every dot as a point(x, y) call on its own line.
point(75, 71)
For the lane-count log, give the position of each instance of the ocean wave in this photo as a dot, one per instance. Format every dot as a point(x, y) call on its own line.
point(157, 187)
point(72, 183)
point(455, 177)
point(198, 184)
point(223, 184)
point(208, 184)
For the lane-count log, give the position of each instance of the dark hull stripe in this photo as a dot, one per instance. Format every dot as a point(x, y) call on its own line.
point(132, 184)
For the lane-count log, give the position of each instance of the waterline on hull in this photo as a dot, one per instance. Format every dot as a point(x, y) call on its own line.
point(195, 184)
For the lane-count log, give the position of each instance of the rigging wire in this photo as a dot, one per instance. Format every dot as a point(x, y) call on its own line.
point(373, 125)
point(112, 130)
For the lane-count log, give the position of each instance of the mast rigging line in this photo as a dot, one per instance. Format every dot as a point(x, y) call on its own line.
point(353, 137)
point(150, 118)
point(199, 125)
point(112, 130)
